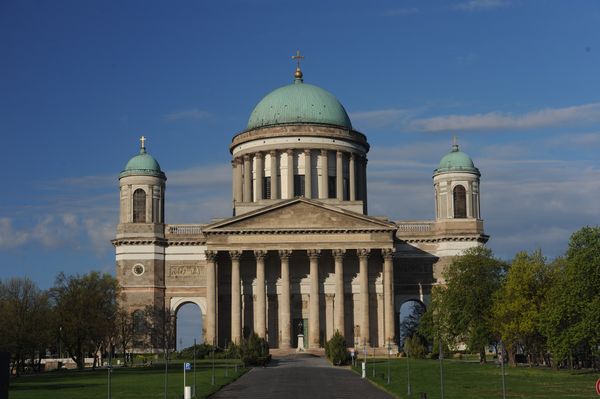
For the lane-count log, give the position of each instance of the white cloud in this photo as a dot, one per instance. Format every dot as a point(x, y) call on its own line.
point(548, 117)
point(480, 5)
point(9, 237)
point(193, 113)
point(382, 118)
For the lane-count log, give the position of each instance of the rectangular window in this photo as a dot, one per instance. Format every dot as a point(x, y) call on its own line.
point(299, 186)
point(266, 187)
point(332, 185)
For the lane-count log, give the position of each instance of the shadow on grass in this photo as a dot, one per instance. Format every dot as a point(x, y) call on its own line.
point(47, 387)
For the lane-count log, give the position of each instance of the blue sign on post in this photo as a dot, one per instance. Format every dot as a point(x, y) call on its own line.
point(187, 366)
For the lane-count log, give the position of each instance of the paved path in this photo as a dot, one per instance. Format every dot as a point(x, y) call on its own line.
point(300, 376)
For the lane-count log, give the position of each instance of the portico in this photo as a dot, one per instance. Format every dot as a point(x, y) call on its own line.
point(312, 269)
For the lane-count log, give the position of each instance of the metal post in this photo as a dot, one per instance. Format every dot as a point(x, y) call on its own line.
point(212, 377)
point(408, 371)
point(373, 362)
point(109, 371)
point(166, 371)
point(389, 377)
point(502, 367)
point(441, 357)
point(194, 391)
point(184, 372)
point(365, 350)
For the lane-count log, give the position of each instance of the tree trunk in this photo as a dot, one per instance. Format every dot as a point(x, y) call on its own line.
point(482, 359)
point(512, 361)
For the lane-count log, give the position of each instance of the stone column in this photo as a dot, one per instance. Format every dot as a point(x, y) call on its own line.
point(338, 306)
point(261, 300)
point(364, 184)
point(290, 173)
point(314, 328)
point(260, 172)
point(324, 184)
point(307, 174)
point(247, 179)
point(363, 256)
point(388, 295)
point(238, 180)
point(352, 173)
point(236, 303)
point(211, 297)
point(274, 175)
point(285, 320)
point(339, 176)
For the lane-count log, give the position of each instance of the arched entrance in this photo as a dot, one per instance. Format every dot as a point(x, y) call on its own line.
point(410, 316)
point(189, 314)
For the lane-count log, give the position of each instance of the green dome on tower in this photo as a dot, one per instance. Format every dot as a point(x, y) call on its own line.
point(299, 102)
point(142, 164)
point(456, 161)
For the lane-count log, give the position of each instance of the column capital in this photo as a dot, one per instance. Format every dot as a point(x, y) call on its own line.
point(340, 154)
point(307, 151)
point(260, 254)
point(235, 254)
point(338, 253)
point(324, 152)
point(210, 255)
point(289, 151)
point(273, 153)
point(313, 253)
point(352, 156)
point(363, 252)
point(246, 157)
point(258, 154)
point(285, 253)
point(387, 253)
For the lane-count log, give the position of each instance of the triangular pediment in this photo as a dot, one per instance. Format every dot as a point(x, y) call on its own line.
point(302, 215)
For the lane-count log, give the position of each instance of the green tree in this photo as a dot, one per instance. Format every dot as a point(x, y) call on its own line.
point(85, 311)
point(125, 330)
point(571, 317)
point(160, 326)
point(518, 305)
point(26, 314)
point(336, 349)
point(460, 310)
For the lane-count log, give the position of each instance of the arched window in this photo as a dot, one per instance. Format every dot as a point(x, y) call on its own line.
point(460, 202)
point(139, 206)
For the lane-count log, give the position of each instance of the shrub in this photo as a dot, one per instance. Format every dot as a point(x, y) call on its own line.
point(254, 351)
point(336, 349)
point(415, 346)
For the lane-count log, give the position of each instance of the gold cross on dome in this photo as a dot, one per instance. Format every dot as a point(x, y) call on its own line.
point(298, 57)
point(143, 142)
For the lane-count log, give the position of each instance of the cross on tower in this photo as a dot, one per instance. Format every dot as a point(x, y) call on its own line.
point(298, 73)
point(298, 57)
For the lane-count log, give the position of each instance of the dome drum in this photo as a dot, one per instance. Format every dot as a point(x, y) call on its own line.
point(278, 137)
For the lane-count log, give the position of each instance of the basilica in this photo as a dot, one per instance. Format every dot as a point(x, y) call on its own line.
point(300, 256)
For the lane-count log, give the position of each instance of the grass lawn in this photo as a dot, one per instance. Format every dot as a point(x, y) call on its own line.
point(127, 383)
point(464, 380)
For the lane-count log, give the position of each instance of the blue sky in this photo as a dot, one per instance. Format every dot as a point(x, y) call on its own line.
point(516, 80)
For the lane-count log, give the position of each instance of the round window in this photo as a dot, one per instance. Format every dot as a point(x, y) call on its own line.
point(138, 269)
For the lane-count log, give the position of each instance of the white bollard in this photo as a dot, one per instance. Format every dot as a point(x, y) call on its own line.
point(364, 369)
point(187, 393)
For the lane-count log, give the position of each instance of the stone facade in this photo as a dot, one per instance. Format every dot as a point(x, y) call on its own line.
point(300, 249)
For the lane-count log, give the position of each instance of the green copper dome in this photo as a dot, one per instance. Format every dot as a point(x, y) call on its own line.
point(142, 164)
point(456, 161)
point(299, 103)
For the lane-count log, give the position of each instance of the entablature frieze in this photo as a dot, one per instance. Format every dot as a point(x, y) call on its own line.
point(133, 241)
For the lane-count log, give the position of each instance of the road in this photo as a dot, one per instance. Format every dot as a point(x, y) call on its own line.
point(300, 376)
